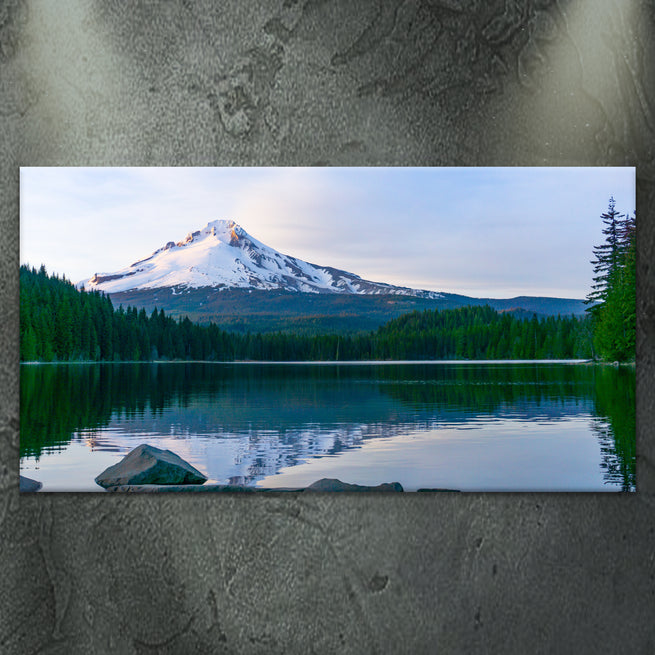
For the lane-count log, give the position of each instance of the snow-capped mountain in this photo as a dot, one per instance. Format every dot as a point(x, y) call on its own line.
point(224, 256)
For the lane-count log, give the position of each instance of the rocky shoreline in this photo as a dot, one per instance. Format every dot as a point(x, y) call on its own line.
point(323, 485)
point(147, 469)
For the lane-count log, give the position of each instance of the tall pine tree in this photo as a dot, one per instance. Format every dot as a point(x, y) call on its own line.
point(606, 255)
point(614, 289)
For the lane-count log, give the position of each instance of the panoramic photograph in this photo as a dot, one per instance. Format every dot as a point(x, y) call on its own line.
point(323, 329)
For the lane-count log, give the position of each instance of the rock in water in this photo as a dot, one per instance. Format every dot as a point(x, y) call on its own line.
point(27, 484)
point(149, 465)
point(328, 484)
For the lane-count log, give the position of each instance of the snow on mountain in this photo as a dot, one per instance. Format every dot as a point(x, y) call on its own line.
point(224, 255)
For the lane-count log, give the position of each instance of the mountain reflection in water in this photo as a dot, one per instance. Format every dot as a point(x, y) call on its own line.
point(246, 422)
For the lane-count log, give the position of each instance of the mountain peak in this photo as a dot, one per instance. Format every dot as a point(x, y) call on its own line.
point(223, 255)
point(226, 231)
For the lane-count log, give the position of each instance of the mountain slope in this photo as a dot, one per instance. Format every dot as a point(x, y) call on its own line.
point(224, 256)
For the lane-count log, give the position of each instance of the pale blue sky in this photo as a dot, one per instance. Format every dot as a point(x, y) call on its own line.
point(486, 232)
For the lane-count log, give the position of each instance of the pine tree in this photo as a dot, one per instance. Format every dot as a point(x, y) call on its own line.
point(28, 345)
point(63, 330)
point(613, 315)
point(606, 255)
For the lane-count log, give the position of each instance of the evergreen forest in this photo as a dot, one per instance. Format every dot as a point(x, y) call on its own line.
point(62, 323)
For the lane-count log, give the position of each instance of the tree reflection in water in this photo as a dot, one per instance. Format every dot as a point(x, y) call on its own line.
point(61, 401)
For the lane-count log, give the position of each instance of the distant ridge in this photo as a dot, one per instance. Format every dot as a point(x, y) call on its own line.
point(247, 310)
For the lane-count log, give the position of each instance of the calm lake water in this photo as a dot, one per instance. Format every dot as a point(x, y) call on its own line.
point(492, 426)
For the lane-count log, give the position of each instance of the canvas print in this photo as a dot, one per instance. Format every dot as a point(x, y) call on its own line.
point(248, 330)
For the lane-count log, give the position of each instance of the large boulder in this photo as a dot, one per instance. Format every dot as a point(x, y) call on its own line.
point(149, 465)
point(328, 484)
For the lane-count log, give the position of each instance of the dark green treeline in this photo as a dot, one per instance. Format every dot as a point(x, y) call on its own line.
point(60, 323)
point(481, 333)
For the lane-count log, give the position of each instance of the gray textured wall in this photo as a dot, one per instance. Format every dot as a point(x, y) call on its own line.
point(311, 82)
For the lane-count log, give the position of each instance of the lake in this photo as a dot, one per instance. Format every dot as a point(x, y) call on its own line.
point(470, 426)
